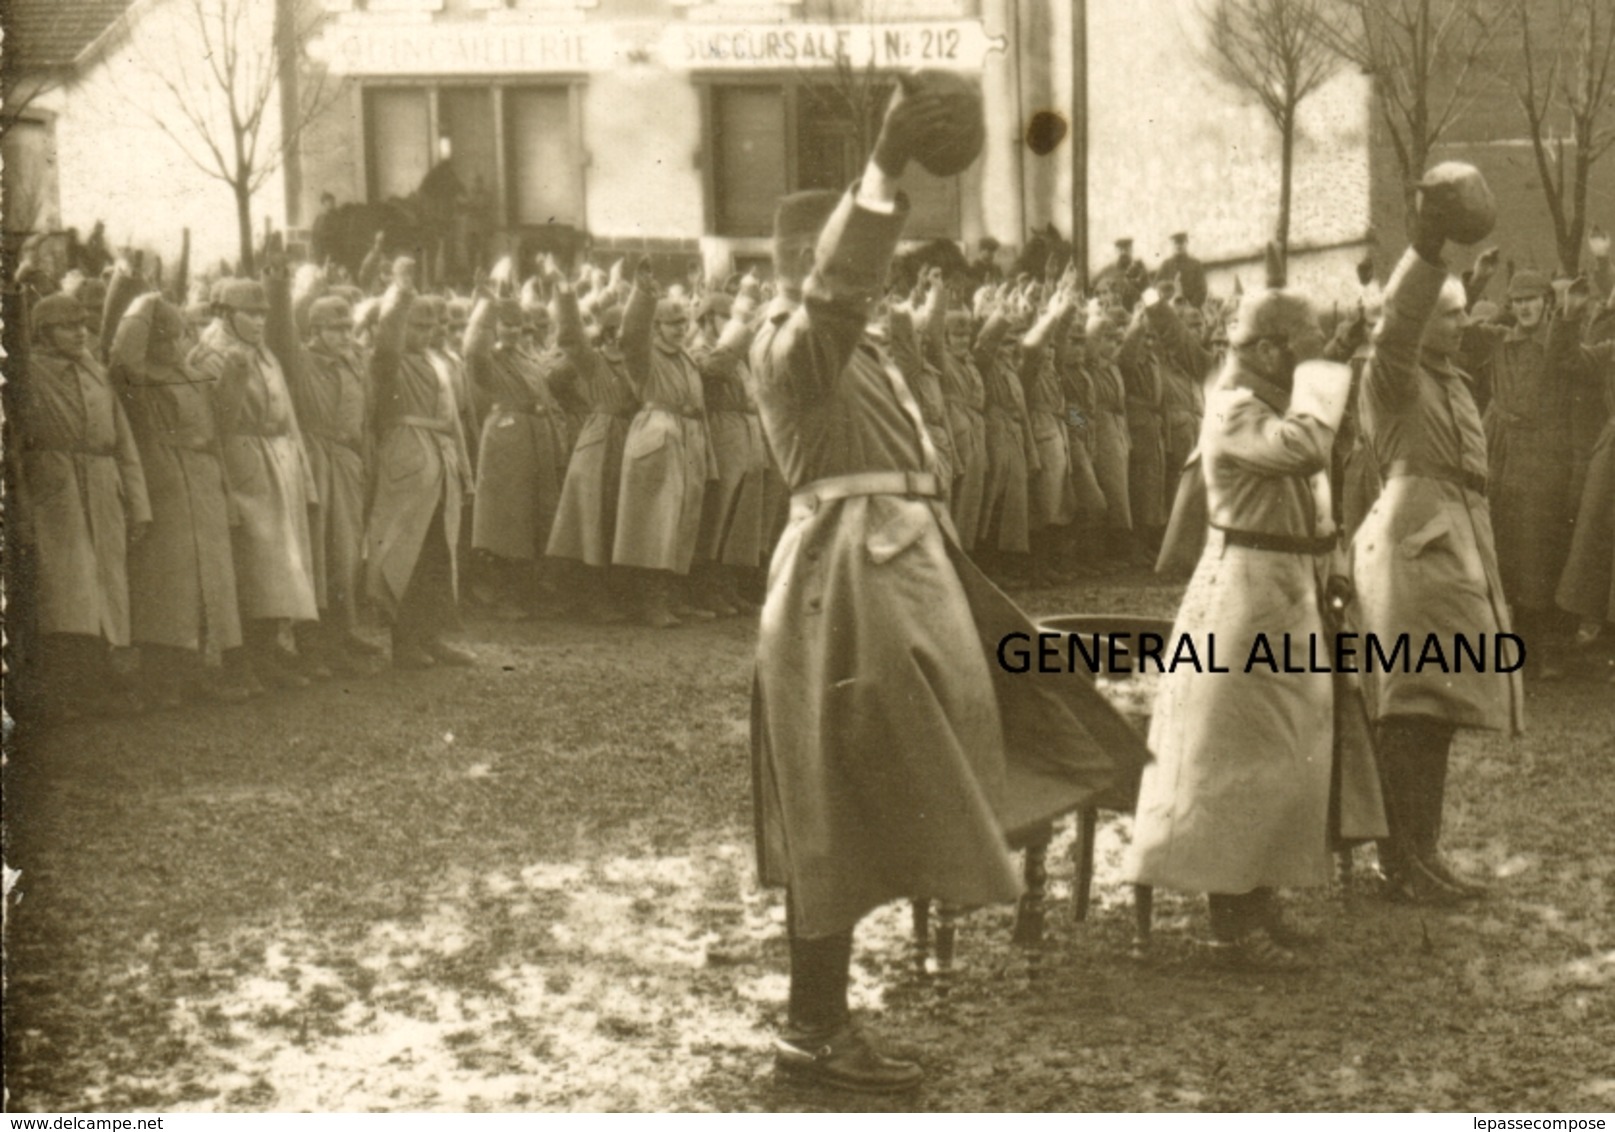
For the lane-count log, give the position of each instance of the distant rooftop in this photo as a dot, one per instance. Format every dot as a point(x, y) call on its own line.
point(51, 33)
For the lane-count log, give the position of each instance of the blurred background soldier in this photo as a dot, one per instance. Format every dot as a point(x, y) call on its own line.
point(1112, 437)
point(329, 389)
point(586, 517)
point(1184, 274)
point(1051, 495)
point(1528, 370)
point(82, 502)
point(524, 447)
point(668, 458)
point(271, 486)
point(422, 475)
point(1146, 452)
point(945, 337)
point(182, 584)
point(730, 546)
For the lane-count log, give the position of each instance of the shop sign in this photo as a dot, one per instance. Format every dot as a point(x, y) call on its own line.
point(950, 44)
point(464, 48)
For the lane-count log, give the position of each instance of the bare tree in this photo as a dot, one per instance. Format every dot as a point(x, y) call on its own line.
point(1428, 60)
point(1566, 86)
point(214, 104)
point(1274, 50)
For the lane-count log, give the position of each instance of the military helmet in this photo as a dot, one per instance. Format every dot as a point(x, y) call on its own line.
point(1528, 284)
point(246, 295)
point(57, 310)
point(330, 311)
point(672, 310)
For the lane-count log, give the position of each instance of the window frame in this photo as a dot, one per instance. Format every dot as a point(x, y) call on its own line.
point(575, 84)
point(709, 82)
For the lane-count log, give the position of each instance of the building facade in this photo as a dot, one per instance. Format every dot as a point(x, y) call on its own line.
point(674, 126)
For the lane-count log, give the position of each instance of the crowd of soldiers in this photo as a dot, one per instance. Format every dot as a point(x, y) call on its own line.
point(232, 483)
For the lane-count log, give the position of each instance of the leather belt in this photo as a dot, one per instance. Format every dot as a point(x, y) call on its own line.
point(1474, 481)
point(919, 484)
point(689, 412)
point(1278, 543)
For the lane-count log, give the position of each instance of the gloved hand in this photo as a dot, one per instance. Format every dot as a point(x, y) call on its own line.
point(1453, 202)
point(910, 121)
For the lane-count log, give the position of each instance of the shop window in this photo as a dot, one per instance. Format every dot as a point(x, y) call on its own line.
point(398, 136)
point(749, 156)
point(466, 119)
point(542, 157)
point(529, 173)
point(768, 140)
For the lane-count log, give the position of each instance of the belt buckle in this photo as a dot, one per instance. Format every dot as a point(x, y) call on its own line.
point(912, 483)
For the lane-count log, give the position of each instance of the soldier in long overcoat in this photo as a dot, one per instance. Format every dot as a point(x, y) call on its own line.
point(182, 582)
point(586, 517)
point(1051, 494)
point(730, 547)
point(422, 475)
point(524, 448)
point(946, 337)
point(1530, 370)
point(668, 458)
point(271, 484)
point(891, 760)
point(1236, 803)
point(1587, 587)
point(82, 500)
point(1424, 559)
point(1146, 431)
point(330, 387)
point(1111, 438)
point(924, 377)
point(1004, 534)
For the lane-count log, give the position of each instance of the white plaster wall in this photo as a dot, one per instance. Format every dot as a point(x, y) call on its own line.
point(642, 131)
point(1173, 148)
point(117, 165)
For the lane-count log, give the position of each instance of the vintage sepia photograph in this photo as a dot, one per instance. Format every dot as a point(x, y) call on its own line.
point(808, 556)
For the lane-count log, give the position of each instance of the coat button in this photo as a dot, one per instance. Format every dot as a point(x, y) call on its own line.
point(815, 603)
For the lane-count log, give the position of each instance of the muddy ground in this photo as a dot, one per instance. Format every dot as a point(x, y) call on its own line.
point(530, 886)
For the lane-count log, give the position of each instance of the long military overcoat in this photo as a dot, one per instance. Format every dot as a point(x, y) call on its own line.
point(271, 486)
point(1424, 559)
point(586, 517)
point(668, 459)
point(1238, 795)
point(182, 582)
point(84, 486)
point(892, 757)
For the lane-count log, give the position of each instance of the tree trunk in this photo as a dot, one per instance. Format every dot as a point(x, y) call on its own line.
point(244, 226)
point(1286, 173)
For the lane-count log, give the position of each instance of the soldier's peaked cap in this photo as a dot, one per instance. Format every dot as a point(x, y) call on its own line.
point(1527, 284)
point(672, 310)
point(330, 310)
point(57, 310)
point(244, 295)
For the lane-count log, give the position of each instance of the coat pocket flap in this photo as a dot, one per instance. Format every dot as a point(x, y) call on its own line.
point(1420, 540)
point(894, 526)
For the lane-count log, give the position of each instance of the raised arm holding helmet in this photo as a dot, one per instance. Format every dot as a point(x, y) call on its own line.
point(1424, 559)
